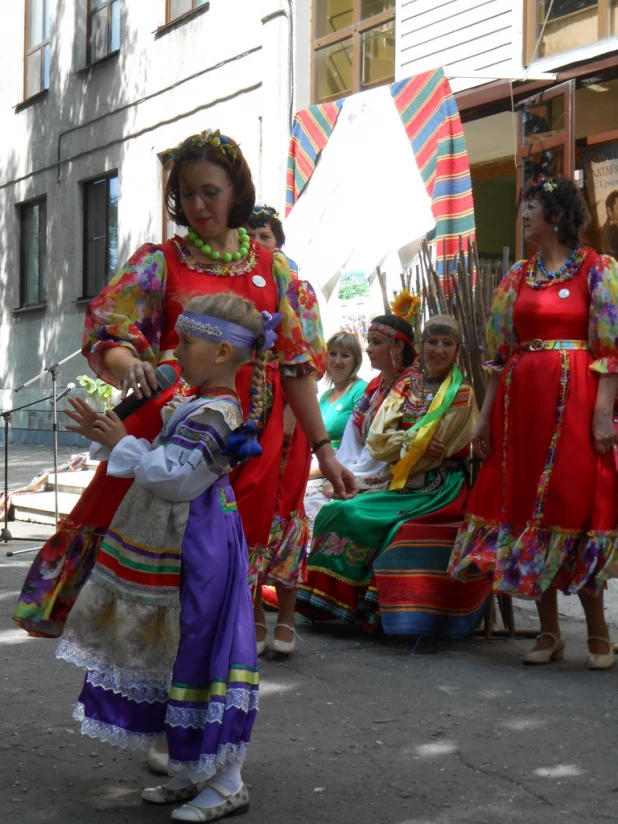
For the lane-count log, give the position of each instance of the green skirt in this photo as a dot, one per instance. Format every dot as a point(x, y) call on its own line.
point(350, 535)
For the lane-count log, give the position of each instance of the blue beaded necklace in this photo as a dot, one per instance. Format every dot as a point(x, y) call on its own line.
point(568, 271)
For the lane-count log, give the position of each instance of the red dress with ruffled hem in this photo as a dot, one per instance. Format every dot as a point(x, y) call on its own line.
point(543, 510)
point(64, 563)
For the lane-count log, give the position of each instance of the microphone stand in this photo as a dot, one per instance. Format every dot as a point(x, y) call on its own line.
point(5, 535)
point(53, 370)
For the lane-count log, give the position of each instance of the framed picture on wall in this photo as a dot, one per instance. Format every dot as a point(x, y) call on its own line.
point(600, 165)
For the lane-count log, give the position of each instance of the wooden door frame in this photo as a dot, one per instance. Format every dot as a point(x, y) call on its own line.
point(565, 140)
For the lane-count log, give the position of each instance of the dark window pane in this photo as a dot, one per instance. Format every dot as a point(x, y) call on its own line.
point(95, 3)
point(95, 274)
point(115, 44)
point(34, 263)
point(35, 22)
point(112, 252)
point(178, 7)
point(33, 73)
point(101, 233)
point(333, 15)
point(42, 252)
point(31, 253)
point(333, 66)
point(96, 194)
point(96, 257)
point(371, 7)
point(543, 121)
point(378, 50)
point(98, 34)
point(561, 8)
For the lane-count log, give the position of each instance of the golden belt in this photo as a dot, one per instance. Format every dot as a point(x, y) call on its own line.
point(539, 345)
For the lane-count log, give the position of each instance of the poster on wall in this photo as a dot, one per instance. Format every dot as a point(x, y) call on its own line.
point(601, 180)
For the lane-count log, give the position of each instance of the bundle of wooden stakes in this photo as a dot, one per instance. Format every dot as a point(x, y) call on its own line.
point(464, 291)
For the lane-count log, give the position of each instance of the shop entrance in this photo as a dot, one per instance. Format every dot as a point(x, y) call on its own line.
point(492, 143)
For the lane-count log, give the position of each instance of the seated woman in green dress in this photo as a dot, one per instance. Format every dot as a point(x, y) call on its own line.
point(415, 435)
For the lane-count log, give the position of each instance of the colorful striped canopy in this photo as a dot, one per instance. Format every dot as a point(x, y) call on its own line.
point(430, 117)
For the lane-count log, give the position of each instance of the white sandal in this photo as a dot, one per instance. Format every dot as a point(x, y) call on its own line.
point(544, 656)
point(233, 804)
point(166, 795)
point(284, 647)
point(598, 661)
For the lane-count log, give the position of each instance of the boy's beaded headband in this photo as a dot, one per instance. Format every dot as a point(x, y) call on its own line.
point(209, 137)
point(220, 331)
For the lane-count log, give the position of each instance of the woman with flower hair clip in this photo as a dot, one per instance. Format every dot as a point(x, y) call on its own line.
point(542, 516)
point(130, 329)
point(168, 600)
point(281, 565)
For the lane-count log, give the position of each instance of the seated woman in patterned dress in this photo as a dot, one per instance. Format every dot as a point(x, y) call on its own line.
point(425, 420)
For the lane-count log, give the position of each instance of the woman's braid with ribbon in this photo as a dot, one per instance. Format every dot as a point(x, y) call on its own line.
point(230, 318)
point(243, 443)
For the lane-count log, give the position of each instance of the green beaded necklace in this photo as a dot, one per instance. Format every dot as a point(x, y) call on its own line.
point(226, 257)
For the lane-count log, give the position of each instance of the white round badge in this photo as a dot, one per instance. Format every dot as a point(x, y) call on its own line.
point(563, 293)
point(339, 407)
point(258, 280)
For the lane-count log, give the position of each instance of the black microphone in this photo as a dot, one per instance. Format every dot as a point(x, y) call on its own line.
point(166, 377)
point(69, 388)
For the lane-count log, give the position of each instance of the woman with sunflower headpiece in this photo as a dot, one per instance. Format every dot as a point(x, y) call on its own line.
point(408, 432)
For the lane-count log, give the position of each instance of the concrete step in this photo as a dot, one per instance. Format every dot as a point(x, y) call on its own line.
point(74, 482)
point(39, 507)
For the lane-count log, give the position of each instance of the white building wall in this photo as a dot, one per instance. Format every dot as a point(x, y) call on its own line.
point(225, 68)
point(476, 41)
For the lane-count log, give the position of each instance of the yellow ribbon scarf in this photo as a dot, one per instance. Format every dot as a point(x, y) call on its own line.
point(426, 427)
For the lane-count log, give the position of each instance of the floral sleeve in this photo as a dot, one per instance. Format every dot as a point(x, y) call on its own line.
point(603, 318)
point(500, 334)
point(308, 313)
point(128, 312)
point(300, 345)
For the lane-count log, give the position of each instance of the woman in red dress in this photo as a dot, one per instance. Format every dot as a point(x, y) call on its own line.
point(542, 516)
point(286, 553)
point(130, 330)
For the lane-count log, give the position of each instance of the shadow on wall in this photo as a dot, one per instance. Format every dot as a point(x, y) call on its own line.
point(73, 133)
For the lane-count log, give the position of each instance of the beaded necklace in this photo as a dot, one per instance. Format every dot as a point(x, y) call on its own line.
point(568, 271)
point(226, 257)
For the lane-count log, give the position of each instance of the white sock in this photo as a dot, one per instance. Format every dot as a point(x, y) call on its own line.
point(178, 782)
point(229, 778)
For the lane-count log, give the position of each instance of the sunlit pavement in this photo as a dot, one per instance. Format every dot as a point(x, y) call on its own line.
point(351, 729)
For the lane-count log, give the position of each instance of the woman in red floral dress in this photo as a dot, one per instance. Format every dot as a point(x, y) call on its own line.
point(542, 516)
point(130, 330)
